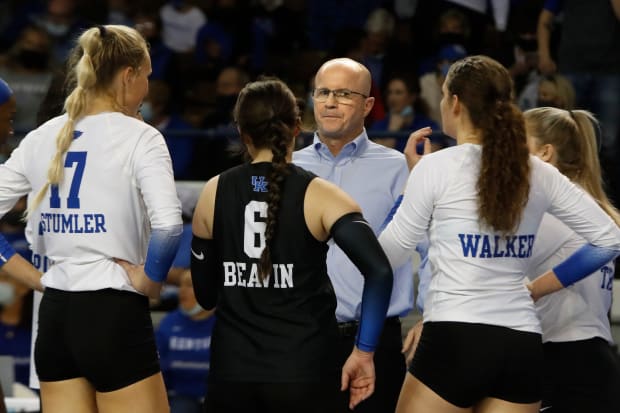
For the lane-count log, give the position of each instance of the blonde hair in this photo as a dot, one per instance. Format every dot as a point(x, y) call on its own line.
point(573, 136)
point(98, 56)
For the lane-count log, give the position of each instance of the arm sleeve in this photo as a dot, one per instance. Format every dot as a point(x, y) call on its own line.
point(355, 237)
point(162, 249)
point(582, 263)
point(205, 271)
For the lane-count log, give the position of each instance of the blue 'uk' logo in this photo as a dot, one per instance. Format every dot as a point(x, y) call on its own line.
point(259, 184)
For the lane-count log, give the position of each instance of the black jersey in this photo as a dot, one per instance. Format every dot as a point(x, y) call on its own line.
point(282, 329)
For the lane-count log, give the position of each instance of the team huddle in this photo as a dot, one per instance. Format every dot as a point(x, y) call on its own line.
point(305, 256)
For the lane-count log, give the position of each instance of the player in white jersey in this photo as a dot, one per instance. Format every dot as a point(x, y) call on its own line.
point(580, 370)
point(481, 203)
point(105, 215)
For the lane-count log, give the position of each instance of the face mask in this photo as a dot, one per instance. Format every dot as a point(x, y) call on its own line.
point(7, 293)
point(407, 111)
point(192, 311)
point(146, 110)
point(33, 59)
point(444, 69)
point(55, 29)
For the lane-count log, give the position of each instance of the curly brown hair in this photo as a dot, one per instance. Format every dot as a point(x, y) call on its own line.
point(485, 87)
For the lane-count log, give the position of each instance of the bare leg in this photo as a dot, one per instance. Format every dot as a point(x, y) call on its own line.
point(68, 396)
point(146, 396)
point(416, 397)
point(491, 405)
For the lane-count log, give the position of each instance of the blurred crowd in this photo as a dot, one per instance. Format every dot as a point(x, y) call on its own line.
point(204, 51)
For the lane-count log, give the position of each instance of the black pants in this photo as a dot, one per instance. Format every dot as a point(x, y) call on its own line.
point(246, 397)
point(581, 376)
point(390, 367)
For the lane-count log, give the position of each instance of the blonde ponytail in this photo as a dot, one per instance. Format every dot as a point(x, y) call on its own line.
point(104, 51)
point(573, 136)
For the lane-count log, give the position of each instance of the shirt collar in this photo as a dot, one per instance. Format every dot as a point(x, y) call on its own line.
point(352, 149)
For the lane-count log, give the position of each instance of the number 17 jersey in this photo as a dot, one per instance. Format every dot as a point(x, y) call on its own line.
point(117, 185)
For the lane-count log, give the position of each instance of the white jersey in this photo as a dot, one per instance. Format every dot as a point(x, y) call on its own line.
point(478, 274)
point(117, 186)
point(578, 312)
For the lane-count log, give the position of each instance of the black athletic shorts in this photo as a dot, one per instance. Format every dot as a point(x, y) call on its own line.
point(105, 336)
point(467, 362)
point(581, 376)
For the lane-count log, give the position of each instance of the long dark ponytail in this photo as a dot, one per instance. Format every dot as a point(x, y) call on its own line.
point(267, 113)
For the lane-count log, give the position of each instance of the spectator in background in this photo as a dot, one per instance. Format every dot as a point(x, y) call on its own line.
point(16, 298)
point(556, 91)
point(589, 56)
point(15, 325)
point(407, 111)
point(26, 68)
point(430, 83)
point(379, 29)
point(150, 27)
point(8, 109)
point(229, 83)
point(62, 21)
point(184, 345)
point(214, 48)
point(181, 20)
point(156, 111)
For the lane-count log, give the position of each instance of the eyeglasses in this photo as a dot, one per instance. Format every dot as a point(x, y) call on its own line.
point(344, 96)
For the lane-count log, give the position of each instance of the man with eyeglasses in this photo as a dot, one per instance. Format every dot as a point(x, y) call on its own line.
point(374, 176)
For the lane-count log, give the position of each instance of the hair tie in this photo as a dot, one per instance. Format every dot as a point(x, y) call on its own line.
point(102, 31)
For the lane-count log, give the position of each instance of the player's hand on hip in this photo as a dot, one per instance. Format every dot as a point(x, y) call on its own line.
point(358, 375)
point(139, 280)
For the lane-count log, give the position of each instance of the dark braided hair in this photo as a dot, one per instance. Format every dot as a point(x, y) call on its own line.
point(267, 112)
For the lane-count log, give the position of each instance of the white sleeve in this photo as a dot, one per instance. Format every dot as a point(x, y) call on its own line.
point(13, 181)
point(153, 172)
point(411, 221)
point(579, 211)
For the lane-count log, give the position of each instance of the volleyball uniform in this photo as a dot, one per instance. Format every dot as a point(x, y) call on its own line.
point(117, 198)
point(117, 186)
point(281, 330)
point(477, 272)
point(581, 372)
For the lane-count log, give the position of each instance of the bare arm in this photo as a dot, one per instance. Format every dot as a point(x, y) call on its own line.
point(543, 35)
point(20, 269)
point(202, 223)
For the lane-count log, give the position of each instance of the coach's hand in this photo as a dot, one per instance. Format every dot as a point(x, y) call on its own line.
point(358, 375)
point(139, 280)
